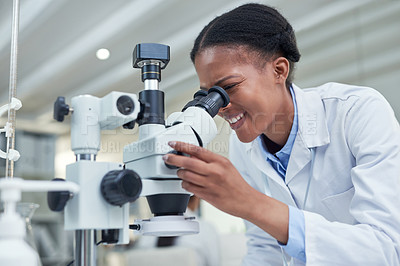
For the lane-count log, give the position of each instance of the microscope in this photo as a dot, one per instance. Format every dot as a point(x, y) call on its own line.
point(106, 188)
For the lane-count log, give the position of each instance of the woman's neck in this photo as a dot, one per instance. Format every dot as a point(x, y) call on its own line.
point(282, 124)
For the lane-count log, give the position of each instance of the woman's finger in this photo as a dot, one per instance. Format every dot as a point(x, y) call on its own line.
point(192, 177)
point(193, 188)
point(190, 163)
point(194, 150)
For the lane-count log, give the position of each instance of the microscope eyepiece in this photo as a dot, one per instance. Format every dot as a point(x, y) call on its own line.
point(200, 94)
point(216, 98)
point(196, 98)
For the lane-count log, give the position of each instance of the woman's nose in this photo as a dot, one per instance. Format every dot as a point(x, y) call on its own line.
point(224, 109)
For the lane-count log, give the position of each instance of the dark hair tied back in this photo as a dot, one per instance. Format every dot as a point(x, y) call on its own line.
point(259, 27)
point(288, 44)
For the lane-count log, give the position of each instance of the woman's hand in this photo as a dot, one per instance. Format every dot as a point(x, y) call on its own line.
point(213, 178)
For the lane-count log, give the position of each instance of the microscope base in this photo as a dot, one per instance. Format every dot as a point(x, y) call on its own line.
point(169, 225)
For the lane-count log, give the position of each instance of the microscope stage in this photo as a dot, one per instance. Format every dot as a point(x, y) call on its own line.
point(168, 225)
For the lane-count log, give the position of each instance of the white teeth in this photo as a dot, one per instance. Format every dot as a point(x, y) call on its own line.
point(235, 119)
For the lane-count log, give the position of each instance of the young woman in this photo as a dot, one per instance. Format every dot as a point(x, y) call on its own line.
point(314, 173)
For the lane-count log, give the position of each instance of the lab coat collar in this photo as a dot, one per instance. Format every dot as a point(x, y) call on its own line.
point(312, 132)
point(313, 128)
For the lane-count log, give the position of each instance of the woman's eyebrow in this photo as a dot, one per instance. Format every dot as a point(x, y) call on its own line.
point(226, 78)
point(221, 81)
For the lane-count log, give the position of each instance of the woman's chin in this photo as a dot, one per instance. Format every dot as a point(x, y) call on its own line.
point(245, 137)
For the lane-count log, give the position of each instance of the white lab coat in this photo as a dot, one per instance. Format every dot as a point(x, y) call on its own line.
point(352, 215)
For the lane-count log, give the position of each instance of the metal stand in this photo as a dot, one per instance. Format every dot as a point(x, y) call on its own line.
point(85, 249)
point(12, 87)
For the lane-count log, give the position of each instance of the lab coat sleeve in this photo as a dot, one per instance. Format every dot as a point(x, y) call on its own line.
point(262, 249)
point(295, 246)
point(373, 136)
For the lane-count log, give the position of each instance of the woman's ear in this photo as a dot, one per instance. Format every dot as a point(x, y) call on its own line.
point(281, 69)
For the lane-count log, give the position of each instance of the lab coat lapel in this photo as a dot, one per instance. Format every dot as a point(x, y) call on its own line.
point(299, 158)
point(259, 160)
point(274, 182)
point(312, 130)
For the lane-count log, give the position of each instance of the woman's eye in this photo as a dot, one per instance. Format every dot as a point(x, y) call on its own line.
point(229, 87)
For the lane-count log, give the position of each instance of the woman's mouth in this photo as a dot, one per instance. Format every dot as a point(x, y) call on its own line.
point(235, 121)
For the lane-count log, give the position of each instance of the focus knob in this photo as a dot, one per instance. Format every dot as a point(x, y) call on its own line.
point(121, 186)
point(170, 166)
point(56, 200)
point(61, 109)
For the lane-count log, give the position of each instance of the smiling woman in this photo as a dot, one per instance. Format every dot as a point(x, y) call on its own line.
point(257, 94)
point(293, 151)
point(254, 62)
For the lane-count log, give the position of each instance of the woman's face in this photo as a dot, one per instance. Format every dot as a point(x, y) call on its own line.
point(259, 101)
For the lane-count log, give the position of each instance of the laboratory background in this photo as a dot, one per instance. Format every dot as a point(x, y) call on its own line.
point(75, 47)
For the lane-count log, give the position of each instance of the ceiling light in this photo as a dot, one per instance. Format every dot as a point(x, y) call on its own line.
point(103, 54)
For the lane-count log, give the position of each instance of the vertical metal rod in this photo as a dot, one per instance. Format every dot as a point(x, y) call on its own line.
point(85, 249)
point(151, 84)
point(12, 85)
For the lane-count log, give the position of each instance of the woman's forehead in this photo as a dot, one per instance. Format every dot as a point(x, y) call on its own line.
point(232, 55)
point(226, 58)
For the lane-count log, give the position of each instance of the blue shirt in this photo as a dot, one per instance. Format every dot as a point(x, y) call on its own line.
point(295, 246)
